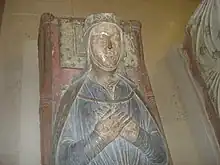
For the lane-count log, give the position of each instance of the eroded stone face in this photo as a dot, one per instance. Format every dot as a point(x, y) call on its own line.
point(106, 43)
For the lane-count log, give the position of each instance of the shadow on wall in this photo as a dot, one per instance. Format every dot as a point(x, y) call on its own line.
point(20, 140)
point(183, 117)
point(199, 125)
point(29, 120)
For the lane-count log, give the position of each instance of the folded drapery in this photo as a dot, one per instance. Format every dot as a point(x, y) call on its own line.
point(202, 43)
point(202, 51)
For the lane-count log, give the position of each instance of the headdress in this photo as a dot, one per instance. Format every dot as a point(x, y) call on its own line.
point(98, 18)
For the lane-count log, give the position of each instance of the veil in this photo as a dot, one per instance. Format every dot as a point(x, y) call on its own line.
point(75, 54)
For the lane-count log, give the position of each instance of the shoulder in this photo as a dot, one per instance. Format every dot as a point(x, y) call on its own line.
point(128, 81)
point(76, 84)
point(71, 92)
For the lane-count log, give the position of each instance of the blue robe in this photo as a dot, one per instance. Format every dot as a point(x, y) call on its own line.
point(91, 103)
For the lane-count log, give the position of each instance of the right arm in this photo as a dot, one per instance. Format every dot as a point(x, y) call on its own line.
point(83, 151)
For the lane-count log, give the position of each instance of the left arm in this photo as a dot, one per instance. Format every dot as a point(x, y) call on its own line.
point(151, 144)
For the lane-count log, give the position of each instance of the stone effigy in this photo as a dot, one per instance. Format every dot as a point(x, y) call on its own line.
point(97, 105)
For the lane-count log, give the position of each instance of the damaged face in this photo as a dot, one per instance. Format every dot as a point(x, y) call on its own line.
point(105, 44)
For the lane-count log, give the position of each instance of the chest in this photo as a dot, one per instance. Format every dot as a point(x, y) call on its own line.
point(95, 110)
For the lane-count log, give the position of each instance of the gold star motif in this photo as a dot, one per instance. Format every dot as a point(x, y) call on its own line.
point(207, 30)
point(216, 54)
point(203, 50)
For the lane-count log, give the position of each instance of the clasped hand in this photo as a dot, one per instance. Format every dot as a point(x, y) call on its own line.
point(117, 124)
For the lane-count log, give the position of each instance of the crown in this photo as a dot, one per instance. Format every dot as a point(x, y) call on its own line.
point(95, 19)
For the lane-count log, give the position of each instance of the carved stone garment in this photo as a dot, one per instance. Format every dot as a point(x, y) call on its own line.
point(204, 28)
point(90, 105)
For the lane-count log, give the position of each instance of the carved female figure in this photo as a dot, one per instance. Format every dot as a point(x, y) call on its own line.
point(106, 120)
